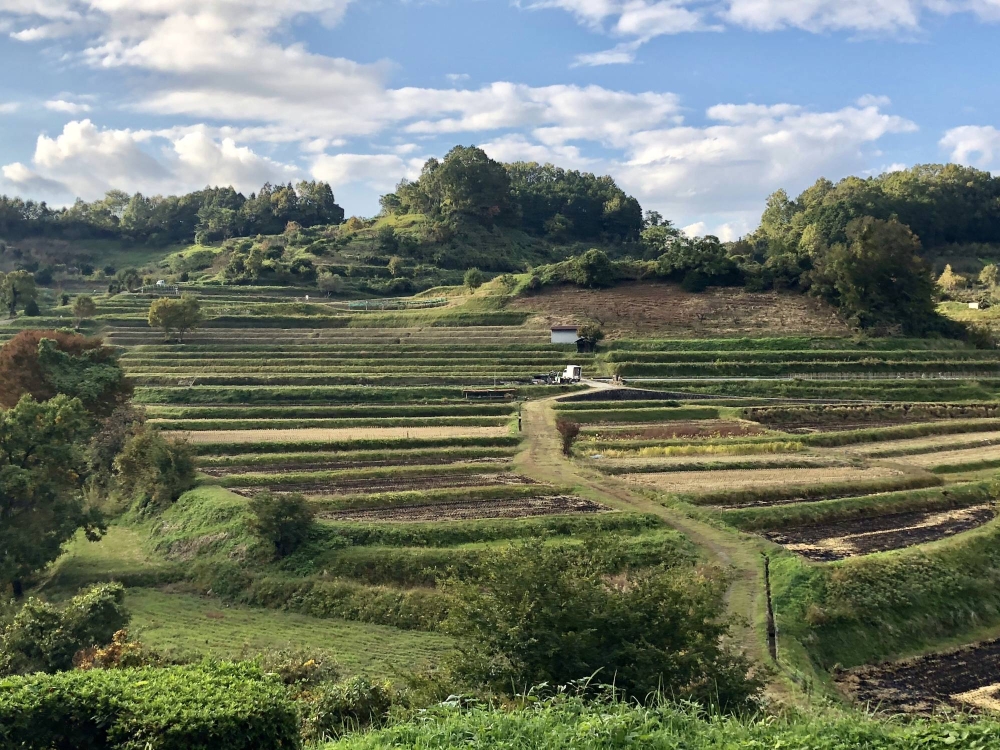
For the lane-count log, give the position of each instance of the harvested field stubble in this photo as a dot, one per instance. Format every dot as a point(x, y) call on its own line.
point(708, 481)
point(527, 507)
point(342, 434)
point(389, 484)
point(707, 429)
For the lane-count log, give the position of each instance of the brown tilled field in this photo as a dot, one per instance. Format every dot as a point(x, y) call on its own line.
point(837, 541)
point(692, 430)
point(966, 679)
point(344, 433)
point(963, 438)
point(392, 484)
point(471, 510)
point(650, 308)
point(967, 456)
point(713, 481)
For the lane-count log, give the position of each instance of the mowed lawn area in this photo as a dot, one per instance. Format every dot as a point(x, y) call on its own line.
point(180, 625)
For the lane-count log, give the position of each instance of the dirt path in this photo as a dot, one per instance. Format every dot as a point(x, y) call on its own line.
point(542, 459)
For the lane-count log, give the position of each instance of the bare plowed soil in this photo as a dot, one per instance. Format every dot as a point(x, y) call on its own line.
point(868, 535)
point(966, 679)
point(707, 428)
point(650, 308)
point(393, 484)
point(471, 510)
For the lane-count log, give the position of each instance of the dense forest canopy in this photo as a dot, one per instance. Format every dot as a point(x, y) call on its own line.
point(544, 200)
point(209, 215)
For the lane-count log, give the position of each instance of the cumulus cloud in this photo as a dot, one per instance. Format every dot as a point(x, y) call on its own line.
point(517, 147)
point(732, 166)
point(976, 145)
point(378, 171)
point(643, 20)
point(61, 105)
point(86, 161)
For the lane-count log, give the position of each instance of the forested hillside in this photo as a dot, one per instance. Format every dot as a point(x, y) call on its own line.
point(871, 247)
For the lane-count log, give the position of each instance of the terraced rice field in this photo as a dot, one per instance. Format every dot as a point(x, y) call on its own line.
point(314, 434)
point(694, 482)
point(837, 541)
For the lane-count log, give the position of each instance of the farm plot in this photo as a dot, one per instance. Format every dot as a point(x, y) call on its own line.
point(386, 484)
point(331, 435)
point(837, 541)
point(682, 430)
point(916, 446)
point(955, 457)
point(966, 679)
point(525, 507)
point(694, 482)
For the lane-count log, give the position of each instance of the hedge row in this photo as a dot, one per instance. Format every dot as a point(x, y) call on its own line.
point(232, 706)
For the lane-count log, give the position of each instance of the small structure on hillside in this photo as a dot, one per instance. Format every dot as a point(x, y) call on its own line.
point(585, 346)
point(565, 334)
point(973, 305)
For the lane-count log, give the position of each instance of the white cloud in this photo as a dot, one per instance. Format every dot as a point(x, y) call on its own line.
point(517, 147)
point(61, 105)
point(645, 20)
point(86, 161)
point(873, 100)
point(623, 54)
point(379, 171)
point(731, 167)
point(977, 145)
point(458, 77)
point(7, 108)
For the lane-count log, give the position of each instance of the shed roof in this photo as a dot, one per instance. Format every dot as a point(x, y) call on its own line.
point(565, 328)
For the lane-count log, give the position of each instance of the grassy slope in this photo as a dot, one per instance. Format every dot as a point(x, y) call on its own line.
point(182, 625)
point(571, 724)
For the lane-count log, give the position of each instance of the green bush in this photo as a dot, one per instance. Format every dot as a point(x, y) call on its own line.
point(44, 638)
point(153, 472)
point(284, 521)
point(206, 707)
point(332, 711)
point(537, 615)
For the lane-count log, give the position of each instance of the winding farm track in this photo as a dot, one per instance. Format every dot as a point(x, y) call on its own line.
point(542, 459)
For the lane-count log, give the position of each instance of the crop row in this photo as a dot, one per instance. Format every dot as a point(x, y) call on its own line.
point(798, 356)
point(483, 380)
point(976, 389)
point(787, 343)
point(829, 414)
point(594, 416)
point(354, 411)
point(346, 475)
point(758, 369)
point(400, 457)
point(333, 446)
point(295, 424)
point(785, 494)
point(337, 394)
point(853, 508)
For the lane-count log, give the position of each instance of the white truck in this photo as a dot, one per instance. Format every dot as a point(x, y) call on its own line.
point(572, 374)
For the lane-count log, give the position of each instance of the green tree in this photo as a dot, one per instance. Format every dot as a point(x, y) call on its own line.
point(989, 276)
point(130, 279)
point(151, 472)
point(43, 364)
point(592, 269)
point(331, 283)
point(41, 505)
point(84, 308)
point(542, 614)
point(175, 315)
point(44, 638)
point(17, 289)
point(951, 281)
point(395, 266)
point(283, 521)
point(474, 278)
point(877, 279)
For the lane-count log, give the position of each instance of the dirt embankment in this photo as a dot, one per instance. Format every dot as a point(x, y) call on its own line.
point(661, 308)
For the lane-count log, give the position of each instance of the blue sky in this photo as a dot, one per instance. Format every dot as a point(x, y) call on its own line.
point(700, 108)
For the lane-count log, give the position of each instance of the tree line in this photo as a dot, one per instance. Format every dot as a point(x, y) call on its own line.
point(209, 215)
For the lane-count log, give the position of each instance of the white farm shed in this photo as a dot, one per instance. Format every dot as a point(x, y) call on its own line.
point(565, 334)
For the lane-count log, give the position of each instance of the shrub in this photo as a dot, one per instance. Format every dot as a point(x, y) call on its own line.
point(231, 706)
point(282, 520)
point(474, 278)
point(568, 431)
point(43, 638)
point(153, 472)
point(31, 309)
point(334, 710)
point(121, 653)
point(541, 615)
point(174, 315)
point(592, 269)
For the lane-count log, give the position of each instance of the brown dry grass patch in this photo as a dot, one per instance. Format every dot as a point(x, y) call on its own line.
point(651, 307)
point(712, 481)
